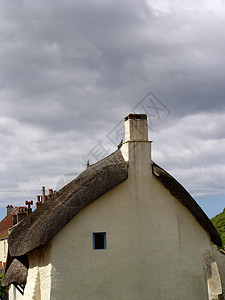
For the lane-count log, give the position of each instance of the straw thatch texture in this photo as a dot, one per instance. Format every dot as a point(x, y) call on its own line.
point(17, 271)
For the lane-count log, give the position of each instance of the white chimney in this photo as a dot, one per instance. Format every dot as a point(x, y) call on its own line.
point(136, 128)
point(136, 148)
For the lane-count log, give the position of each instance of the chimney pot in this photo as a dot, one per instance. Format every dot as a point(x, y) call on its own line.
point(43, 194)
point(29, 203)
point(136, 117)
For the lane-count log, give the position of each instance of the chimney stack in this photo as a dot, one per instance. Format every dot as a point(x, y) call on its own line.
point(38, 203)
point(43, 194)
point(137, 148)
point(9, 209)
point(136, 128)
point(29, 209)
point(21, 213)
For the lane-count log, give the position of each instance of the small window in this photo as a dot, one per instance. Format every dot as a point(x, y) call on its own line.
point(4, 248)
point(99, 240)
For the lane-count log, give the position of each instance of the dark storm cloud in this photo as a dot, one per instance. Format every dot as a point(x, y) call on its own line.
point(73, 53)
point(71, 70)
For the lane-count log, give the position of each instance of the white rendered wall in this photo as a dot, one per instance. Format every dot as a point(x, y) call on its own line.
point(154, 244)
point(38, 285)
point(14, 294)
point(3, 250)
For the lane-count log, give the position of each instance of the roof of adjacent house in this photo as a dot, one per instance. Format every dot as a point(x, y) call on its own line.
point(7, 222)
point(42, 225)
point(4, 234)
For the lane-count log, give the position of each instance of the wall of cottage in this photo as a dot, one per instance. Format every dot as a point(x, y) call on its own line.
point(38, 286)
point(14, 294)
point(154, 245)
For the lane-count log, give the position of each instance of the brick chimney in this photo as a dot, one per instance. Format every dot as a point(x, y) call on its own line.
point(50, 192)
point(29, 209)
point(38, 203)
point(21, 213)
point(9, 209)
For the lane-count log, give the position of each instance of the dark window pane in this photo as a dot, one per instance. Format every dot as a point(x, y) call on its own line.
point(99, 240)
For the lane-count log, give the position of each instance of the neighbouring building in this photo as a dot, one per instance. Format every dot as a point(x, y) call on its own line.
point(123, 229)
point(14, 215)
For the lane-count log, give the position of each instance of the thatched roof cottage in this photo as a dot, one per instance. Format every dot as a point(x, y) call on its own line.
point(123, 229)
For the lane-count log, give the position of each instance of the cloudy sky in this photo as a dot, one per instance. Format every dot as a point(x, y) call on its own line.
point(71, 70)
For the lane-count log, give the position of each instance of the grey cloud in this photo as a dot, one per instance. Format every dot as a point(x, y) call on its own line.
point(71, 70)
point(109, 47)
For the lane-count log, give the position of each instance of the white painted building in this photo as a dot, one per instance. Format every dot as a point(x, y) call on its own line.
point(3, 252)
point(123, 229)
point(14, 215)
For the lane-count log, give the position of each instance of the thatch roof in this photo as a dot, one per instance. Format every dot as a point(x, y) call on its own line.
point(17, 271)
point(42, 225)
point(181, 194)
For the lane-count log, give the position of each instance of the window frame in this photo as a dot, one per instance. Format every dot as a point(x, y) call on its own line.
point(94, 235)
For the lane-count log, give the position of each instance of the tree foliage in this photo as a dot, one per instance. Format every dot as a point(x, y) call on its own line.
point(3, 291)
point(219, 222)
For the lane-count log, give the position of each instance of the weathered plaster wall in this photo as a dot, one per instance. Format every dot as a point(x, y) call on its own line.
point(154, 244)
point(39, 275)
point(220, 259)
point(14, 294)
point(212, 275)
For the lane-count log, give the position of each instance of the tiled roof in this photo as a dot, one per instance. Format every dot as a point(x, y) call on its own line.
point(7, 222)
point(4, 234)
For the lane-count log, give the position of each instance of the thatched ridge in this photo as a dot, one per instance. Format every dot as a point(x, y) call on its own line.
point(181, 194)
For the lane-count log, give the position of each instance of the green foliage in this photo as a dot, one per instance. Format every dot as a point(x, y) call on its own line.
point(219, 222)
point(2, 290)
